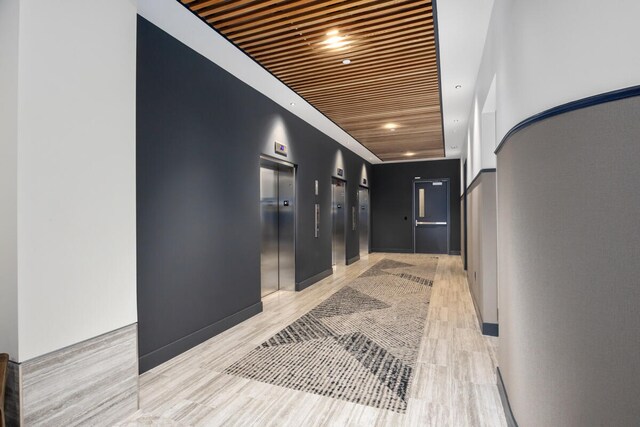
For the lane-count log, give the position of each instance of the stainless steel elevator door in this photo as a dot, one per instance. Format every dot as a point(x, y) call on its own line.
point(269, 223)
point(363, 207)
point(286, 228)
point(338, 212)
point(277, 219)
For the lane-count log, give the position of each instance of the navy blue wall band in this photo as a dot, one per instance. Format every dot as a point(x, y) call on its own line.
point(590, 101)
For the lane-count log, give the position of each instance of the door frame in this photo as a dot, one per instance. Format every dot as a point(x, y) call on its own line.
point(413, 209)
point(274, 160)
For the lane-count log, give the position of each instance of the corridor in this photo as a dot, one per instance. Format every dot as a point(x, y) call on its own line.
point(453, 381)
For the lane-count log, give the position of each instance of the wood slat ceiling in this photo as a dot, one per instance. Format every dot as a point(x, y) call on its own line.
point(387, 97)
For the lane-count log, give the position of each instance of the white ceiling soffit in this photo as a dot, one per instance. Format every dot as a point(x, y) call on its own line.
point(175, 19)
point(462, 30)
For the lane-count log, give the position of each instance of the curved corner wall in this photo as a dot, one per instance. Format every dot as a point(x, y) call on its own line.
point(569, 266)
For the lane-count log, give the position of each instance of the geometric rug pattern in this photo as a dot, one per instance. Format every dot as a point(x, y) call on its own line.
point(360, 344)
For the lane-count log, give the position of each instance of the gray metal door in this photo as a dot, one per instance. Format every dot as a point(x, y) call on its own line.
point(338, 213)
point(431, 216)
point(363, 219)
point(277, 218)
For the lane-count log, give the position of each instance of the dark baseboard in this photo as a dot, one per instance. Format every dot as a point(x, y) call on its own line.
point(354, 259)
point(393, 250)
point(508, 413)
point(313, 279)
point(12, 395)
point(169, 351)
point(455, 253)
point(490, 329)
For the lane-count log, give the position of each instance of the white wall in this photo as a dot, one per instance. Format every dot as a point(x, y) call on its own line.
point(76, 171)
point(544, 54)
point(9, 15)
point(560, 51)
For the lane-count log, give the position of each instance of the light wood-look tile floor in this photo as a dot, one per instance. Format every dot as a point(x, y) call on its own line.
point(454, 383)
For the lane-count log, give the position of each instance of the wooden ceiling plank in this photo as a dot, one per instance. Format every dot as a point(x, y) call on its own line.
point(379, 101)
point(411, 42)
point(398, 84)
point(404, 49)
point(328, 89)
point(378, 107)
point(231, 9)
point(336, 22)
point(262, 13)
point(307, 83)
point(295, 18)
point(424, 15)
point(364, 32)
point(359, 46)
point(218, 5)
point(390, 64)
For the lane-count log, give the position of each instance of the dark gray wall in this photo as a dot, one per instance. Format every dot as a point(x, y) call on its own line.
point(200, 133)
point(568, 251)
point(392, 201)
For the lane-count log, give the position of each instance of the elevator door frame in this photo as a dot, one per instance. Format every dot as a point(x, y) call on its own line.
point(345, 224)
point(271, 162)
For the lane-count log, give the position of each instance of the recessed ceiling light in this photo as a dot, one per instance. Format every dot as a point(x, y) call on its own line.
point(458, 86)
point(346, 61)
point(409, 153)
point(335, 40)
point(391, 126)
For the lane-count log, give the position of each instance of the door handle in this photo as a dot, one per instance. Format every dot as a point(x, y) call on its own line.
point(429, 223)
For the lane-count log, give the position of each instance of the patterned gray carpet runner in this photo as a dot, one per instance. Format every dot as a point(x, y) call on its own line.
point(360, 345)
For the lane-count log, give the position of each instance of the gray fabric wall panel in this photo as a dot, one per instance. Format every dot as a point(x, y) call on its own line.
point(200, 133)
point(482, 261)
point(569, 245)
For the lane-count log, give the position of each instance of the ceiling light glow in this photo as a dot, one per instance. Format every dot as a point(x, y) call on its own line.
point(346, 61)
point(391, 126)
point(409, 153)
point(335, 40)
